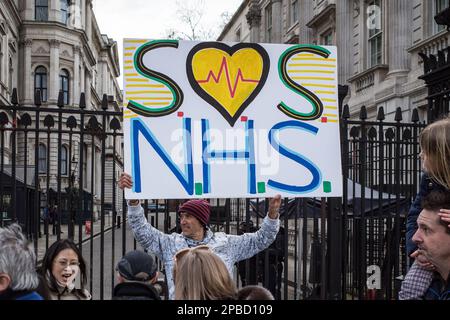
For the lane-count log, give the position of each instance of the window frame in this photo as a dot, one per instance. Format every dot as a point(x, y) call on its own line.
point(325, 35)
point(64, 161)
point(64, 10)
point(85, 164)
point(237, 34)
point(436, 9)
point(40, 75)
point(37, 6)
point(375, 40)
point(64, 78)
point(11, 74)
point(268, 23)
point(293, 14)
point(42, 158)
point(1, 57)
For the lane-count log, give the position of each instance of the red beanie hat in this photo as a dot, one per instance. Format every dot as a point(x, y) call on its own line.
point(200, 209)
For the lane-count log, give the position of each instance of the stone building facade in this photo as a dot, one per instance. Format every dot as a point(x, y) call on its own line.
point(53, 45)
point(378, 43)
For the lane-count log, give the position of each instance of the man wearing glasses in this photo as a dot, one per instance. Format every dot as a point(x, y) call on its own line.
point(194, 219)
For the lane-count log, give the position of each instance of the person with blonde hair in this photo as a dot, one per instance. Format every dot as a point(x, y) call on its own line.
point(435, 154)
point(199, 274)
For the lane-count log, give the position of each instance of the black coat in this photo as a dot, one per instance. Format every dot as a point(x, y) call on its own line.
point(135, 291)
point(439, 289)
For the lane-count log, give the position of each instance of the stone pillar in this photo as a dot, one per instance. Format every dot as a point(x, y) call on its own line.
point(53, 85)
point(54, 13)
point(254, 21)
point(76, 76)
point(28, 12)
point(82, 77)
point(89, 19)
point(344, 26)
point(76, 14)
point(4, 60)
point(87, 89)
point(28, 80)
point(83, 14)
point(399, 36)
point(305, 15)
point(276, 21)
point(104, 77)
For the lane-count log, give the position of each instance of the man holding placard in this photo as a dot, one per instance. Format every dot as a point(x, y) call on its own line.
point(194, 218)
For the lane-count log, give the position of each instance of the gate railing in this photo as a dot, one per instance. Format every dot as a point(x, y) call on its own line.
point(381, 171)
point(53, 163)
point(70, 160)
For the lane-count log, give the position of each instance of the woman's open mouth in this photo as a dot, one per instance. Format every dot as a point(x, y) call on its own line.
point(66, 277)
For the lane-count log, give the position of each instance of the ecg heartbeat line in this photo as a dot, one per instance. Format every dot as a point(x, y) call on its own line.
point(224, 67)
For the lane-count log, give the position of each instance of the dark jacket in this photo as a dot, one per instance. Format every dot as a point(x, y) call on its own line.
point(439, 289)
point(426, 186)
point(20, 295)
point(135, 291)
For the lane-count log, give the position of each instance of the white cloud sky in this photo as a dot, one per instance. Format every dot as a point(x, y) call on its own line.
point(121, 19)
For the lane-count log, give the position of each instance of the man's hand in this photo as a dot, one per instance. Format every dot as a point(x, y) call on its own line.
point(445, 215)
point(274, 206)
point(422, 261)
point(125, 181)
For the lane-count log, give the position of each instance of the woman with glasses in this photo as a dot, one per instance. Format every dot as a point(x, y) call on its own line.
point(199, 274)
point(60, 268)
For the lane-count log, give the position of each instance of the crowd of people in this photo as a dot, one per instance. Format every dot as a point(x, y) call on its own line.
point(199, 263)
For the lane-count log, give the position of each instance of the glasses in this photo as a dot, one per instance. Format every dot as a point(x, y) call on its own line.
point(64, 263)
point(180, 254)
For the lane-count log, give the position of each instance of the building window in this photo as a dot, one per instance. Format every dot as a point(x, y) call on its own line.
point(1, 57)
point(374, 23)
point(42, 158)
point(238, 35)
point(40, 82)
point(294, 12)
point(327, 38)
point(41, 13)
point(64, 162)
point(65, 4)
point(11, 73)
point(84, 163)
point(64, 84)
point(268, 23)
point(439, 5)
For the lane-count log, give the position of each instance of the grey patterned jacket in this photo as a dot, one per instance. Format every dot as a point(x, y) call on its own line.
point(230, 248)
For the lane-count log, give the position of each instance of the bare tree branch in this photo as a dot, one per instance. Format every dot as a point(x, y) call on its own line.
point(190, 26)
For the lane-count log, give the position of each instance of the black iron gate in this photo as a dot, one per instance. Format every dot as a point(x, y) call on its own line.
point(437, 78)
point(66, 165)
point(52, 169)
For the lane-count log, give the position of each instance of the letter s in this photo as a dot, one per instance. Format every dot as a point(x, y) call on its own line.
point(298, 89)
point(140, 67)
point(295, 157)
